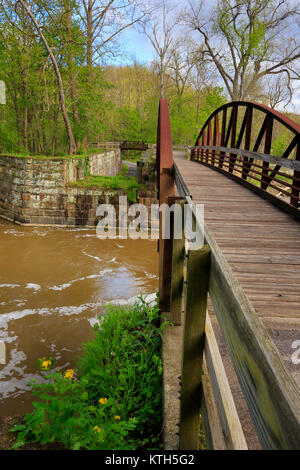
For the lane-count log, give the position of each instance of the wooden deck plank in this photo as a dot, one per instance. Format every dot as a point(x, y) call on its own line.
point(260, 242)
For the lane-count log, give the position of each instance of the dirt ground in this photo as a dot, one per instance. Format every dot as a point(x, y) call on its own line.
point(7, 439)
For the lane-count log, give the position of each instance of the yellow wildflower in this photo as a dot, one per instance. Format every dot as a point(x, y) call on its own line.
point(96, 428)
point(69, 374)
point(103, 401)
point(117, 418)
point(46, 364)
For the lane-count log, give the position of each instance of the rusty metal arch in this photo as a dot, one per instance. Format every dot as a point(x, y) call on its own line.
point(228, 148)
point(284, 120)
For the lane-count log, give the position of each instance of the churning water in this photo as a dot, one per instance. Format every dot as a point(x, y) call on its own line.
point(54, 283)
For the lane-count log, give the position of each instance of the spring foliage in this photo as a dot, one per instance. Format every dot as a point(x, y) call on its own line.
point(113, 399)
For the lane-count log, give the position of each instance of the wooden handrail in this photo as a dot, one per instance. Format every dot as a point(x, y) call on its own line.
point(269, 390)
point(290, 164)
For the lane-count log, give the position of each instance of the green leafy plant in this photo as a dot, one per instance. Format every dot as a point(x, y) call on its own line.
point(107, 183)
point(64, 413)
point(114, 399)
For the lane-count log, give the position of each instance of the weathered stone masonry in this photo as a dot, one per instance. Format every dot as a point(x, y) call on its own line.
point(37, 191)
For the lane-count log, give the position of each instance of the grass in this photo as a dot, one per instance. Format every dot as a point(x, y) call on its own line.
point(284, 179)
point(132, 156)
point(114, 183)
point(113, 400)
point(80, 154)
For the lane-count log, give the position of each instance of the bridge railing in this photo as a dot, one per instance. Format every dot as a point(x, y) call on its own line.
point(123, 145)
point(190, 277)
point(241, 144)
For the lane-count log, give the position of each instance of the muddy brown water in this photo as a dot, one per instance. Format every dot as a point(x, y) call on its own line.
point(54, 283)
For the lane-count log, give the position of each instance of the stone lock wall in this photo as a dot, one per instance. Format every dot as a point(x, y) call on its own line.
point(109, 164)
point(105, 164)
point(37, 191)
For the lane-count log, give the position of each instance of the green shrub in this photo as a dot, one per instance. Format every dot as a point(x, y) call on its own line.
point(124, 170)
point(107, 183)
point(114, 399)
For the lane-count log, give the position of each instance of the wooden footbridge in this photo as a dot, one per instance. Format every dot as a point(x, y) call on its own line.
point(241, 289)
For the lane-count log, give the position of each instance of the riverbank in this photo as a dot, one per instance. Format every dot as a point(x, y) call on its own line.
point(113, 398)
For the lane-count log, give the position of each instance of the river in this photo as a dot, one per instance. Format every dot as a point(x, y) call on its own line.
point(54, 283)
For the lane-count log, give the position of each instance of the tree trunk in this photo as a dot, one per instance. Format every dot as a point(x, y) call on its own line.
point(70, 59)
point(89, 35)
point(72, 144)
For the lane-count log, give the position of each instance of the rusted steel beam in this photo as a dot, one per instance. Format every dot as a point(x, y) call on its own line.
point(256, 145)
point(224, 122)
point(260, 135)
point(204, 142)
point(217, 153)
point(229, 129)
point(249, 117)
point(242, 131)
point(295, 192)
point(267, 150)
point(279, 117)
point(233, 135)
point(209, 138)
point(166, 190)
point(198, 152)
point(284, 156)
point(216, 138)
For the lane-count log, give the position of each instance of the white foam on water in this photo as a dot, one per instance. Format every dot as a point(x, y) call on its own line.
point(150, 276)
point(7, 339)
point(74, 229)
point(17, 315)
point(119, 246)
point(60, 288)
point(91, 276)
point(16, 357)
point(67, 310)
point(88, 235)
point(91, 256)
point(15, 233)
point(39, 233)
point(9, 286)
point(35, 287)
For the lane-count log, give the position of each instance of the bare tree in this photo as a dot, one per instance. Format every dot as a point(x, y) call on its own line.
point(72, 144)
point(278, 92)
point(160, 33)
point(180, 66)
point(104, 21)
point(247, 40)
